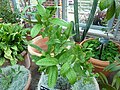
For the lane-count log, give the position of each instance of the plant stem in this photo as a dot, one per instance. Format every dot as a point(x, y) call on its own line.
point(90, 19)
point(101, 48)
point(77, 32)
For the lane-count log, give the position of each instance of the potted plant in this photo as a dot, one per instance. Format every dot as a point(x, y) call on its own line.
point(62, 57)
point(12, 44)
point(14, 78)
point(104, 52)
point(104, 49)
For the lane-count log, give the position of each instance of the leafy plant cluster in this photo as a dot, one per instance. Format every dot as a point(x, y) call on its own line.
point(109, 52)
point(13, 77)
point(6, 13)
point(115, 83)
point(63, 57)
point(12, 43)
point(112, 6)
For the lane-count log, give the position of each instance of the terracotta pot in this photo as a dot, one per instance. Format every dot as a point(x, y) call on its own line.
point(27, 87)
point(99, 65)
point(26, 62)
point(39, 41)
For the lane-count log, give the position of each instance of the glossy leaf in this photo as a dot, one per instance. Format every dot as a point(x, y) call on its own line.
point(36, 47)
point(8, 53)
point(52, 76)
point(105, 4)
point(35, 58)
point(63, 58)
point(0, 71)
point(109, 67)
point(103, 78)
point(110, 11)
point(53, 41)
point(41, 10)
point(14, 48)
point(65, 67)
point(77, 68)
point(47, 62)
point(60, 22)
point(68, 31)
point(71, 75)
point(26, 8)
point(35, 30)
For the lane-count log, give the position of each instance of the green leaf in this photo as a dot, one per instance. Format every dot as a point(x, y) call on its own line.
point(60, 22)
point(110, 12)
point(103, 78)
point(36, 47)
point(35, 30)
point(68, 31)
point(63, 58)
point(20, 57)
point(65, 67)
point(2, 61)
point(13, 70)
point(13, 61)
point(77, 68)
point(109, 67)
point(105, 4)
point(38, 17)
point(85, 45)
point(118, 83)
point(47, 62)
point(53, 41)
point(41, 10)
point(14, 48)
point(116, 68)
point(0, 71)
point(52, 77)
point(25, 9)
point(71, 75)
point(8, 53)
point(35, 58)
point(114, 80)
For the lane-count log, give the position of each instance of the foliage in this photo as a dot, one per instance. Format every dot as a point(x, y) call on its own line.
point(7, 14)
point(71, 63)
point(112, 6)
point(43, 16)
point(12, 43)
point(62, 54)
point(13, 77)
point(114, 67)
point(110, 51)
